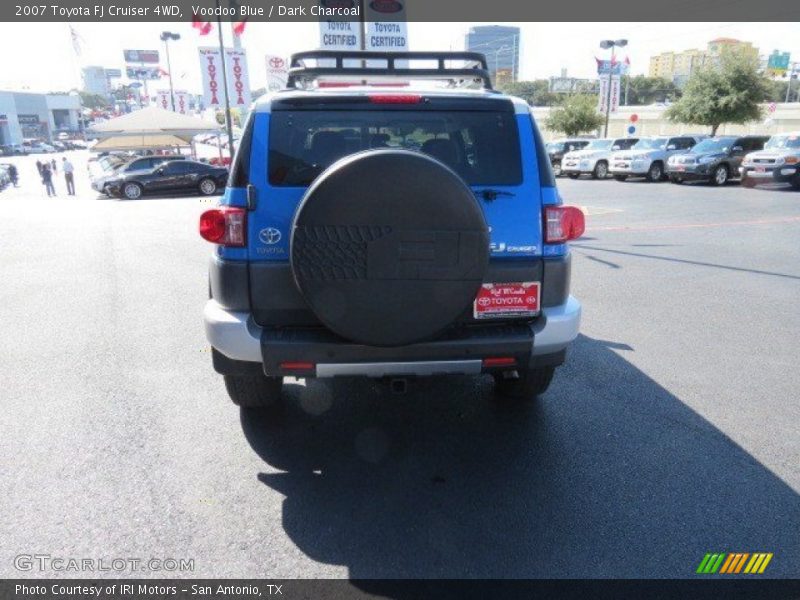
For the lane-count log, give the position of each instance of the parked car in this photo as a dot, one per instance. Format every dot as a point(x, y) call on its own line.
point(36, 147)
point(557, 148)
point(594, 158)
point(715, 160)
point(145, 163)
point(648, 158)
point(170, 177)
point(778, 162)
point(335, 257)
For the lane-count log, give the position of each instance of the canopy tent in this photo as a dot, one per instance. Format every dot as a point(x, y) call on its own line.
point(139, 142)
point(153, 121)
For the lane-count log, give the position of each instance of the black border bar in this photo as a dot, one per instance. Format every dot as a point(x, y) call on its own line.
point(472, 11)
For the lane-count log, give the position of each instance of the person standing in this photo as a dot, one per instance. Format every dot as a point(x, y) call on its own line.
point(13, 175)
point(53, 165)
point(69, 171)
point(47, 180)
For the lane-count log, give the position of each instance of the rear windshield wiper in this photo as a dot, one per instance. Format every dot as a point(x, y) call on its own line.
point(490, 195)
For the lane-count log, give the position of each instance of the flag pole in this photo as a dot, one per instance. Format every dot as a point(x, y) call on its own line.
point(228, 124)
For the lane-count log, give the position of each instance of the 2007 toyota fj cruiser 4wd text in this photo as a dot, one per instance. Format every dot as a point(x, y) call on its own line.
point(385, 231)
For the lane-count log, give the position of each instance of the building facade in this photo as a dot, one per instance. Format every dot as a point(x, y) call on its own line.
point(500, 45)
point(26, 115)
point(679, 66)
point(95, 81)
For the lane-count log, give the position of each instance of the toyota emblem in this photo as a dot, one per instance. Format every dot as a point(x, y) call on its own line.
point(269, 236)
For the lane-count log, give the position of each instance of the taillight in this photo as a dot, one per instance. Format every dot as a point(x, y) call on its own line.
point(226, 226)
point(563, 223)
point(395, 99)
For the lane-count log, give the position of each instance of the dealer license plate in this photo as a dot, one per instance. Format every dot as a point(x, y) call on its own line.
point(503, 300)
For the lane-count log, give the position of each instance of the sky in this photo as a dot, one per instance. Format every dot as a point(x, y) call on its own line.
point(545, 48)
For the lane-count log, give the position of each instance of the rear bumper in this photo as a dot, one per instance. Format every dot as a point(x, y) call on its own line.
point(635, 168)
point(236, 337)
point(778, 174)
point(578, 166)
point(693, 172)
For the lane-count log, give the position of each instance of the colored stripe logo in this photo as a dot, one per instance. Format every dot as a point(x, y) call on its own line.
point(734, 563)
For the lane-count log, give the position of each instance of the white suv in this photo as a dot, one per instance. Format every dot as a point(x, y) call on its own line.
point(594, 158)
point(648, 158)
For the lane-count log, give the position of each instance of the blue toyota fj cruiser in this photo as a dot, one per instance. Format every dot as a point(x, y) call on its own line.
point(387, 229)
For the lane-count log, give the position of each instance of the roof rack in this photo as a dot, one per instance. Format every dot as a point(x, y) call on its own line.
point(477, 72)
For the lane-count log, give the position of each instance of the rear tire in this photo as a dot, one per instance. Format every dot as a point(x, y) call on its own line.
point(132, 191)
point(600, 170)
point(529, 384)
point(620, 177)
point(720, 175)
point(795, 183)
point(254, 391)
point(655, 172)
point(557, 168)
point(207, 186)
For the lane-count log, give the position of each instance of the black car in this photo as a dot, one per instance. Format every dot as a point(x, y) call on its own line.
point(145, 163)
point(557, 149)
point(170, 177)
point(715, 160)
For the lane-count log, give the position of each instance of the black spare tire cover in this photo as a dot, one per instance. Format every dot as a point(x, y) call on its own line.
point(389, 247)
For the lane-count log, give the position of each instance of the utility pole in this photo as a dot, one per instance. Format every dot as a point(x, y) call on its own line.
point(166, 36)
point(610, 44)
point(228, 124)
point(792, 71)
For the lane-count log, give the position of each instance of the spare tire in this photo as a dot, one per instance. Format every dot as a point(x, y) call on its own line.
point(389, 247)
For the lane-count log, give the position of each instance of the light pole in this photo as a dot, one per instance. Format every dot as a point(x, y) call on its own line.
point(610, 44)
point(166, 36)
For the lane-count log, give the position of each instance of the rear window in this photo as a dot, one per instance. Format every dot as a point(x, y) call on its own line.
point(481, 146)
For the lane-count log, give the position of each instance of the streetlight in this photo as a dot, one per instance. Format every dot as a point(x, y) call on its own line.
point(610, 44)
point(166, 36)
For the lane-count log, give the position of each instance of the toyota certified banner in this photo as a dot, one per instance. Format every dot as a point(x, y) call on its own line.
point(238, 79)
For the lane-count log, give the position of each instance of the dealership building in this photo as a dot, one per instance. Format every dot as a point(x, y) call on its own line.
point(26, 115)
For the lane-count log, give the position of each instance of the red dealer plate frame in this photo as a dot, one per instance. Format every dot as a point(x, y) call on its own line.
point(504, 300)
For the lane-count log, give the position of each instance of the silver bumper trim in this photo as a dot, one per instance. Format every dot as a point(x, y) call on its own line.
point(384, 369)
point(558, 328)
point(234, 334)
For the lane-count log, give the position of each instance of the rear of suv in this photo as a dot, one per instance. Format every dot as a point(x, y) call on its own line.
point(714, 160)
point(594, 159)
point(778, 162)
point(389, 232)
point(649, 157)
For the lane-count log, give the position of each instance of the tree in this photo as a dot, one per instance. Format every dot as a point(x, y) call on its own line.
point(577, 115)
point(535, 93)
point(642, 90)
point(93, 101)
point(727, 91)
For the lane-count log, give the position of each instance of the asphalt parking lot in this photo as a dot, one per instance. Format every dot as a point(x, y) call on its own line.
point(673, 430)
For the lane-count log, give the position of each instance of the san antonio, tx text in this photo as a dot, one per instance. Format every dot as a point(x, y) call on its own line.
point(141, 589)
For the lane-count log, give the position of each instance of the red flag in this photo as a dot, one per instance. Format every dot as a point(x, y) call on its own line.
point(203, 27)
point(238, 28)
